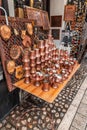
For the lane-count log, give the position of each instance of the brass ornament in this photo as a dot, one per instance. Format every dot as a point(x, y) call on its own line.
point(15, 52)
point(19, 72)
point(5, 32)
point(10, 66)
point(29, 28)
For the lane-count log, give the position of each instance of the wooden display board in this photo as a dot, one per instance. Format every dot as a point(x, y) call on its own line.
point(14, 23)
point(40, 16)
point(69, 13)
point(38, 92)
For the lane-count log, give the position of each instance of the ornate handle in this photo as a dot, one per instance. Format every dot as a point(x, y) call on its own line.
point(6, 17)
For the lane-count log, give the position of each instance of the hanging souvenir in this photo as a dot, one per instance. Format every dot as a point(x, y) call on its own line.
point(16, 32)
point(10, 66)
point(19, 72)
point(23, 34)
point(15, 52)
point(27, 41)
point(29, 28)
point(5, 30)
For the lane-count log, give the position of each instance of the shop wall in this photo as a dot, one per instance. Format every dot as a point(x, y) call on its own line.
point(57, 8)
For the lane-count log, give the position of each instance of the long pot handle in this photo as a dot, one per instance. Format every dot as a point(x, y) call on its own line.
point(6, 17)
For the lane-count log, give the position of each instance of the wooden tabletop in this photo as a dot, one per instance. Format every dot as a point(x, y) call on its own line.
point(38, 92)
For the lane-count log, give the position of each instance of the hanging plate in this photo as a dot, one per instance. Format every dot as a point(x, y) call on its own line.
point(15, 52)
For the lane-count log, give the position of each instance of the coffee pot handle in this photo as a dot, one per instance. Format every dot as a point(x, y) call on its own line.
point(6, 17)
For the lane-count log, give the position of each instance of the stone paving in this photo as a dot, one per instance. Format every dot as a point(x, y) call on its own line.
point(76, 116)
point(80, 119)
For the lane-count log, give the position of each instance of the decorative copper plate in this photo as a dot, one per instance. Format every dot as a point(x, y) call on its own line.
point(19, 72)
point(29, 28)
point(5, 32)
point(10, 66)
point(27, 41)
point(23, 34)
point(15, 52)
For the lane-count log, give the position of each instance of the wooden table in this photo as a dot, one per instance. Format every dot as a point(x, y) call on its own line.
point(38, 92)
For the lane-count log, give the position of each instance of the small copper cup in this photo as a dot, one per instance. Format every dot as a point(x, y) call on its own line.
point(33, 61)
point(37, 52)
point(46, 86)
point(27, 80)
point(38, 67)
point(42, 50)
point(26, 64)
point(32, 54)
point(46, 50)
point(33, 70)
point(38, 60)
point(41, 44)
point(37, 81)
point(42, 59)
point(27, 73)
point(46, 42)
point(55, 85)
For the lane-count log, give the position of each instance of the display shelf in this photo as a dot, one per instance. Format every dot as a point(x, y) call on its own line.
point(38, 92)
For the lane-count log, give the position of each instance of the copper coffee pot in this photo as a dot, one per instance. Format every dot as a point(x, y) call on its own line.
point(46, 86)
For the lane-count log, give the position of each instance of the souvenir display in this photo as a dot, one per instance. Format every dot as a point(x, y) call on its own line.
point(74, 27)
point(48, 64)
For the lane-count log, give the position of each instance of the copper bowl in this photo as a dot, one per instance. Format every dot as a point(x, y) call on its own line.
point(46, 86)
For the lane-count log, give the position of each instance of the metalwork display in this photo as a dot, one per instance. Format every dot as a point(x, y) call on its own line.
point(34, 113)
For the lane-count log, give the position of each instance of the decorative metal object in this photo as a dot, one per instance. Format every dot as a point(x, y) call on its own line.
point(10, 66)
point(19, 72)
point(15, 52)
